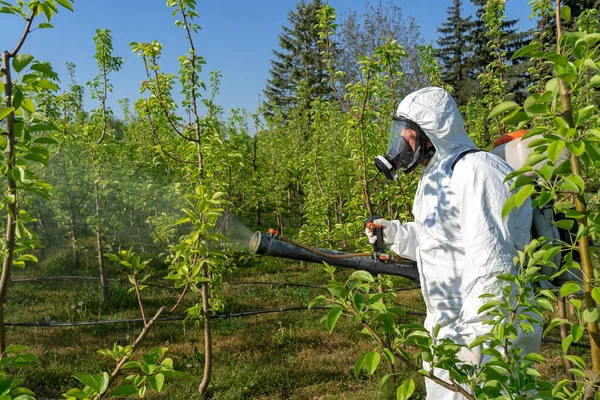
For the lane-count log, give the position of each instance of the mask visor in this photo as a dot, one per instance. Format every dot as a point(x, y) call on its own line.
point(399, 150)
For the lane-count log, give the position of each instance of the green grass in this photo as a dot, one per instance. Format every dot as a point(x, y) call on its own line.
point(271, 356)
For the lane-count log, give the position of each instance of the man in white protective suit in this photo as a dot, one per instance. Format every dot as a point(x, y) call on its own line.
point(458, 238)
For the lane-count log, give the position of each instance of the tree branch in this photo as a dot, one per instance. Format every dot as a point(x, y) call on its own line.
point(25, 33)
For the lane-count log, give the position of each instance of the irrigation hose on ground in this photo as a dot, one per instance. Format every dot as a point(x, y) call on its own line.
point(220, 316)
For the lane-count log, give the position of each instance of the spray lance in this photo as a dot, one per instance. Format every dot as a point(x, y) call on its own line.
point(377, 262)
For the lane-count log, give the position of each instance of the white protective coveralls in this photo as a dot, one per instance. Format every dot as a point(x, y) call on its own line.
point(459, 239)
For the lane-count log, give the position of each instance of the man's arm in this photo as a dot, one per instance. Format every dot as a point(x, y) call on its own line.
point(406, 240)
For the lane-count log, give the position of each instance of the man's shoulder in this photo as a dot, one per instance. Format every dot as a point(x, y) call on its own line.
point(481, 165)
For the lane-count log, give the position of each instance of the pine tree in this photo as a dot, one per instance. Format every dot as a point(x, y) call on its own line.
point(513, 40)
point(453, 52)
point(298, 64)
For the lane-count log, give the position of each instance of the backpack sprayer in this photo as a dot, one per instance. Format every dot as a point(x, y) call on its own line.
point(377, 262)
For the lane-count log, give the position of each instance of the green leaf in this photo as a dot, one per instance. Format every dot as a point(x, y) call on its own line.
point(568, 77)
point(591, 38)
point(384, 381)
point(359, 301)
point(371, 362)
point(156, 382)
point(565, 12)
point(545, 303)
point(534, 158)
point(536, 358)
point(502, 108)
point(526, 51)
point(358, 366)
point(4, 112)
point(15, 349)
point(132, 364)
point(523, 194)
point(28, 105)
point(532, 372)
point(596, 294)
point(552, 85)
point(583, 114)
point(313, 303)
point(590, 315)
point(44, 140)
point(590, 64)
point(46, 84)
point(39, 158)
point(17, 98)
point(509, 205)
point(332, 317)
point(565, 224)
point(125, 390)
point(561, 123)
point(578, 330)
point(87, 379)
point(78, 394)
point(537, 108)
point(21, 61)
point(405, 390)
point(7, 10)
point(573, 183)
point(557, 59)
point(576, 148)
point(554, 150)
point(569, 288)
point(148, 359)
point(577, 361)
point(566, 343)
point(592, 151)
point(102, 380)
point(362, 276)
point(389, 355)
point(66, 4)
point(42, 127)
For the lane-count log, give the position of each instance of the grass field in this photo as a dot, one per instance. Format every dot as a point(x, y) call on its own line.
point(285, 355)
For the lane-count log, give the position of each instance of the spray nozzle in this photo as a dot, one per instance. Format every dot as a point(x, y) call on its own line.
point(273, 232)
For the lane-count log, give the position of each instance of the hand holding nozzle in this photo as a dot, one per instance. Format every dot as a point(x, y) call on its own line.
point(379, 231)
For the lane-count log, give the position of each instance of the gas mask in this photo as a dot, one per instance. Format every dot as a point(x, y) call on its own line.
point(399, 154)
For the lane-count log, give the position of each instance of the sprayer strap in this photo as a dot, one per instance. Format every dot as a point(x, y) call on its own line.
point(461, 155)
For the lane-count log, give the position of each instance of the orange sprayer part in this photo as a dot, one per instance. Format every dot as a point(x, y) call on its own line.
point(371, 226)
point(509, 137)
point(272, 231)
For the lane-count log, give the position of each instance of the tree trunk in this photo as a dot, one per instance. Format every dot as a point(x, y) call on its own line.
point(580, 205)
point(11, 218)
point(562, 313)
point(40, 221)
point(99, 244)
point(140, 238)
point(207, 334)
point(257, 219)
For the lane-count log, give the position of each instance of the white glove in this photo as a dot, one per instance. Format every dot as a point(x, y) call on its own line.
point(389, 231)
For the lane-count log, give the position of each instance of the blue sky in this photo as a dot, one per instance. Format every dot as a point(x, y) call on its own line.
point(237, 39)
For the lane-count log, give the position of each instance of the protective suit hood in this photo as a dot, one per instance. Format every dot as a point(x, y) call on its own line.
point(436, 112)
